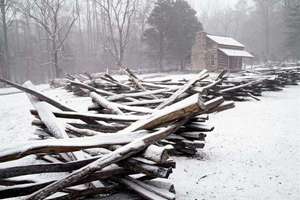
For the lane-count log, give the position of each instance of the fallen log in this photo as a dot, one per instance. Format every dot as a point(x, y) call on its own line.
point(132, 164)
point(101, 101)
point(87, 193)
point(137, 82)
point(144, 102)
point(12, 152)
point(147, 191)
point(27, 189)
point(89, 116)
point(90, 88)
point(122, 153)
point(56, 129)
point(42, 97)
point(39, 95)
point(139, 94)
point(185, 108)
point(184, 88)
point(240, 86)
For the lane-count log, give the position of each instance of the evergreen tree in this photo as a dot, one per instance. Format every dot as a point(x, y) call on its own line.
point(172, 32)
point(156, 35)
point(293, 28)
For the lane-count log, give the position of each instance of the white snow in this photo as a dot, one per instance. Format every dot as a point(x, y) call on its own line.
point(236, 53)
point(254, 152)
point(225, 41)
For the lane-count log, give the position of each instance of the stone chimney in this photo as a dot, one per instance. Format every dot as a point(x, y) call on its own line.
point(199, 51)
point(201, 39)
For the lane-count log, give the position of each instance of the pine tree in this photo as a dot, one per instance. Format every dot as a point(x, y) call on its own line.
point(184, 27)
point(293, 28)
point(172, 32)
point(156, 35)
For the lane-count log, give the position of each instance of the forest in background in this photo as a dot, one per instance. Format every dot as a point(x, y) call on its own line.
point(43, 39)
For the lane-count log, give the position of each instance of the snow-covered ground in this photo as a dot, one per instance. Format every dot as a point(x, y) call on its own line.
point(254, 152)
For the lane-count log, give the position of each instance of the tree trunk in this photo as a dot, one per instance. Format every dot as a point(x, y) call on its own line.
point(182, 64)
point(267, 34)
point(5, 69)
point(55, 58)
point(121, 56)
point(161, 51)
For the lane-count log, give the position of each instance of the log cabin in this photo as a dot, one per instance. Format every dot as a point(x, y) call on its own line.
point(218, 53)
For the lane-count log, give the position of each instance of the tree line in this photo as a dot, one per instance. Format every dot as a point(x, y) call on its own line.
point(268, 28)
point(43, 39)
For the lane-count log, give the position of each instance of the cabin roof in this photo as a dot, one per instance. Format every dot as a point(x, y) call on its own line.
point(236, 53)
point(225, 41)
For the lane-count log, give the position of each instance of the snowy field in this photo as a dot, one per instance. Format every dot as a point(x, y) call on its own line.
point(254, 152)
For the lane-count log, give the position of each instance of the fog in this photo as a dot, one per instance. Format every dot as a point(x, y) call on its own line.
point(158, 35)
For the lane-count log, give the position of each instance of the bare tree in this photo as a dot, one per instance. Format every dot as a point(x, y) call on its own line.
point(116, 21)
point(266, 8)
point(48, 14)
point(7, 14)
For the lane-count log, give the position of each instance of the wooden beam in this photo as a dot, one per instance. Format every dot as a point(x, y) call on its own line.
point(120, 154)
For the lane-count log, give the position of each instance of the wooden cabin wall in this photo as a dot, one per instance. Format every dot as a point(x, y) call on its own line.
point(212, 56)
point(235, 64)
point(231, 47)
point(222, 60)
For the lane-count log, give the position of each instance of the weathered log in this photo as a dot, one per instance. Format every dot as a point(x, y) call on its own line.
point(90, 88)
point(185, 108)
point(204, 89)
point(14, 182)
point(193, 135)
point(145, 102)
point(196, 126)
point(115, 107)
point(56, 129)
point(82, 132)
point(43, 97)
point(137, 81)
point(44, 168)
point(105, 103)
point(39, 95)
point(147, 191)
point(131, 164)
point(134, 108)
point(87, 193)
point(161, 183)
point(120, 154)
point(139, 94)
point(27, 189)
point(253, 97)
point(231, 89)
point(222, 107)
point(152, 152)
point(184, 88)
point(156, 154)
point(114, 81)
point(150, 170)
point(86, 116)
point(99, 128)
point(12, 152)
point(211, 104)
point(142, 164)
point(193, 144)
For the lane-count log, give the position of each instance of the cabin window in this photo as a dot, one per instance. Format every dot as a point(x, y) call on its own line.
point(212, 59)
